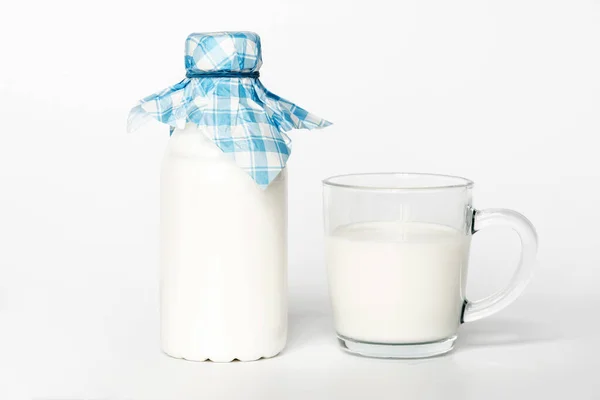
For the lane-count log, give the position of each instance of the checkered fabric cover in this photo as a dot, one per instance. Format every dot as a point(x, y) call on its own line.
point(242, 117)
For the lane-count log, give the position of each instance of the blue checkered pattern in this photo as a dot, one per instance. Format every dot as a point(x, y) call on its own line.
point(240, 115)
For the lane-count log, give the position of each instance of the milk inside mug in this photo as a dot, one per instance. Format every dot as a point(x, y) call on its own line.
point(397, 249)
point(223, 224)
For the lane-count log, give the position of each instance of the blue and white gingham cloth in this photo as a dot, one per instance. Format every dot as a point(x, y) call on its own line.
point(242, 117)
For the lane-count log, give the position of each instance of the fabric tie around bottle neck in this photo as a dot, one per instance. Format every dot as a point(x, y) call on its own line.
point(223, 74)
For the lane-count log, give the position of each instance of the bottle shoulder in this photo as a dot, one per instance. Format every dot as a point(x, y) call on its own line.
point(189, 143)
point(192, 148)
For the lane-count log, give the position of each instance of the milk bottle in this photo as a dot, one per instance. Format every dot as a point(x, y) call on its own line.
point(223, 264)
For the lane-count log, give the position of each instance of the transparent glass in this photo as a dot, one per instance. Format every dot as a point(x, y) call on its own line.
point(397, 249)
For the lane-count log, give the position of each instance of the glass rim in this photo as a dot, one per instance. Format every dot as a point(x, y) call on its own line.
point(459, 181)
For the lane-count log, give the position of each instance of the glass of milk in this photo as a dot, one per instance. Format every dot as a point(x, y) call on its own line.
point(397, 249)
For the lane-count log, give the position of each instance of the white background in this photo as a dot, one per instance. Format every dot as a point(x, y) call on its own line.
point(506, 93)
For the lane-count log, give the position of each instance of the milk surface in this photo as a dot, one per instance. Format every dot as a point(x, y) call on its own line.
point(223, 255)
point(394, 282)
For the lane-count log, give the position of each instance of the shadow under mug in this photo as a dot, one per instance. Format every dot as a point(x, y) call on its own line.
point(397, 249)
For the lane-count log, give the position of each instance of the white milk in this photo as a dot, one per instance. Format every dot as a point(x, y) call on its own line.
point(223, 255)
point(393, 282)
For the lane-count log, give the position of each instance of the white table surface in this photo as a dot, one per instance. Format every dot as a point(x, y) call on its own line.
point(70, 345)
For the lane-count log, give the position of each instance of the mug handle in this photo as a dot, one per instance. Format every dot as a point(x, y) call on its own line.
point(474, 310)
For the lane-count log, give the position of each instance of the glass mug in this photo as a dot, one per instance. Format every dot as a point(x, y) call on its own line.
point(397, 249)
